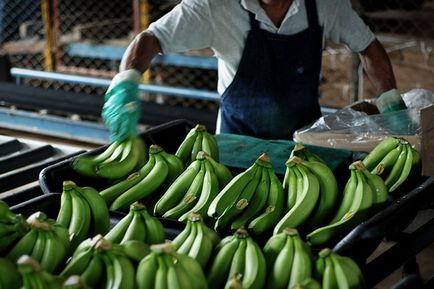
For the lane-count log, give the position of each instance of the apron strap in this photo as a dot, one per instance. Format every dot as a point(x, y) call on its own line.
point(312, 14)
point(254, 25)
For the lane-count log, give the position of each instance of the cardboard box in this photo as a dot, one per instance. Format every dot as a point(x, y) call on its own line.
point(344, 139)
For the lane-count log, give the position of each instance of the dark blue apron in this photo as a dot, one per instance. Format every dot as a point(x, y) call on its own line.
point(275, 89)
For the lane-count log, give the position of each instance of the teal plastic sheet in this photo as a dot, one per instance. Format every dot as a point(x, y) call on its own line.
point(240, 151)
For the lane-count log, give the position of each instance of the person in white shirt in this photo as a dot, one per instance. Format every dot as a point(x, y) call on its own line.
point(269, 61)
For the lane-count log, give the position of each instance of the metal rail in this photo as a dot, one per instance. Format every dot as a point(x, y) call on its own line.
point(21, 73)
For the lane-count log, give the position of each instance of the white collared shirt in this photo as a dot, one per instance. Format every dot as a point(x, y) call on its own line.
point(223, 25)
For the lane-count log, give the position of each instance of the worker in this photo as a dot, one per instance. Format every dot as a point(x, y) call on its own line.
point(269, 61)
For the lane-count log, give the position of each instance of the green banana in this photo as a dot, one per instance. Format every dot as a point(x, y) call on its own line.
point(24, 246)
point(308, 283)
point(86, 165)
point(329, 278)
point(146, 271)
point(385, 165)
point(273, 246)
point(273, 209)
point(406, 169)
point(397, 167)
point(379, 152)
point(125, 271)
point(257, 203)
point(231, 191)
point(290, 186)
point(99, 210)
point(161, 274)
point(39, 246)
point(224, 175)
point(93, 271)
point(328, 192)
point(240, 203)
point(177, 189)
point(254, 275)
point(154, 229)
point(209, 145)
point(217, 273)
point(301, 211)
point(65, 212)
point(146, 186)
point(238, 263)
point(10, 277)
point(78, 263)
point(280, 274)
point(191, 266)
point(188, 243)
point(190, 198)
point(135, 250)
point(80, 220)
point(119, 168)
point(302, 262)
point(202, 246)
point(186, 146)
point(347, 197)
point(210, 189)
point(176, 167)
point(351, 269)
point(136, 229)
point(343, 279)
point(55, 252)
point(116, 234)
point(182, 237)
point(109, 194)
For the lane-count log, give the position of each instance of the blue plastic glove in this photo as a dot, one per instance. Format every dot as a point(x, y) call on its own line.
point(390, 101)
point(121, 110)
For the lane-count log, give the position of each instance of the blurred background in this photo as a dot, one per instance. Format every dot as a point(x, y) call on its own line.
point(89, 37)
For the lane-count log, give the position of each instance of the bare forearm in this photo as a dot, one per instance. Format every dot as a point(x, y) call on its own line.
point(378, 68)
point(140, 52)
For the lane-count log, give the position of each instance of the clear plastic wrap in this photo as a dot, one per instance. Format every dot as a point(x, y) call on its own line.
point(359, 127)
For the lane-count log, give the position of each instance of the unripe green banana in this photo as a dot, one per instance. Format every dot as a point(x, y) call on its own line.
point(24, 246)
point(257, 203)
point(177, 189)
point(274, 246)
point(230, 192)
point(209, 145)
point(302, 262)
point(78, 263)
point(209, 191)
point(290, 186)
point(280, 272)
point(80, 220)
point(301, 211)
point(146, 271)
point(329, 277)
point(116, 234)
point(380, 151)
point(185, 148)
point(109, 194)
point(136, 229)
point(125, 164)
point(255, 271)
point(240, 203)
point(154, 229)
point(405, 172)
point(195, 271)
point(222, 172)
point(347, 197)
point(93, 271)
point(176, 167)
point(273, 209)
point(238, 264)
point(385, 165)
point(98, 208)
point(397, 168)
point(65, 213)
point(202, 246)
point(328, 192)
point(147, 186)
point(10, 278)
point(308, 283)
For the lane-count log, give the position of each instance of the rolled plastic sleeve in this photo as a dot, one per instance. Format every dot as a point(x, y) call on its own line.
point(187, 26)
point(348, 28)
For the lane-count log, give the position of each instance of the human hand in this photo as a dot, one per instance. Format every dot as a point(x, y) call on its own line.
point(121, 110)
point(390, 101)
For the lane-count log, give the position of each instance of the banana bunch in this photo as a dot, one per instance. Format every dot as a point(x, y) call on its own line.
point(138, 224)
point(10, 278)
point(196, 240)
point(363, 193)
point(83, 211)
point(288, 258)
point(194, 189)
point(338, 272)
point(12, 227)
point(47, 242)
point(311, 190)
point(302, 152)
point(253, 199)
point(147, 183)
point(237, 254)
point(164, 268)
point(101, 264)
point(395, 160)
point(35, 277)
point(197, 139)
point(117, 161)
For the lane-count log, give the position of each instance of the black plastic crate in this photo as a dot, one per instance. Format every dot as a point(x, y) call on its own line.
point(169, 136)
point(20, 196)
point(50, 205)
